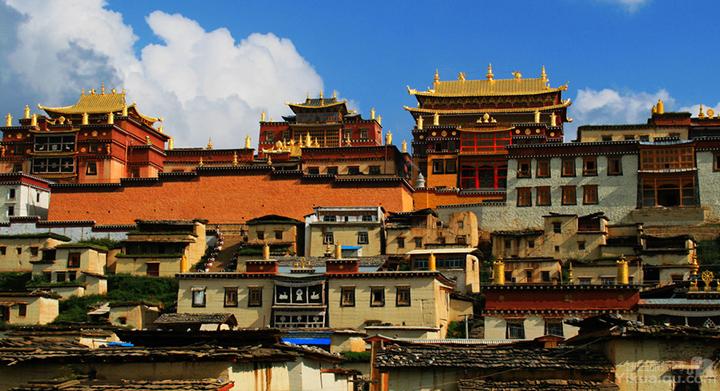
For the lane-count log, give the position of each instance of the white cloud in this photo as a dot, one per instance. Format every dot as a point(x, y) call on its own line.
point(695, 109)
point(608, 106)
point(629, 5)
point(204, 83)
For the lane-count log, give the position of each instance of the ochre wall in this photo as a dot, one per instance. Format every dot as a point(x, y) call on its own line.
point(432, 199)
point(219, 199)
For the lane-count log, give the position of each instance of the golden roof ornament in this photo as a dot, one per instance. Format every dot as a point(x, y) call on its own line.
point(486, 118)
point(571, 276)
point(111, 118)
point(537, 116)
point(26, 112)
point(701, 114)
point(517, 75)
point(124, 110)
point(171, 143)
point(235, 159)
point(379, 120)
point(33, 120)
point(308, 139)
point(82, 92)
point(334, 94)
point(420, 122)
point(85, 119)
point(436, 78)
point(404, 146)
point(248, 142)
point(316, 144)
point(660, 106)
point(209, 144)
point(553, 119)
point(102, 88)
point(160, 128)
point(707, 277)
point(321, 94)
point(489, 74)
point(8, 119)
point(147, 140)
point(543, 74)
point(436, 119)
point(372, 113)
point(262, 116)
point(388, 138)
point(201, 163)
point(269, 160)
point(461, 76)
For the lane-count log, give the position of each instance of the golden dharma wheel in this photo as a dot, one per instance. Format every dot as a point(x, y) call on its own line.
point(707, 276)
point(710, 113)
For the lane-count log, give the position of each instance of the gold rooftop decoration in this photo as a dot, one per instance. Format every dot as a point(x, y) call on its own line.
point(499, 272)
point(388, 138)
point(209, 144)
point(248, 142)
point(420, 122)
point(489, 75)
point(707, 277)
point(26, 112)
point(8, 119)
point(404, 146)
point(701, 114)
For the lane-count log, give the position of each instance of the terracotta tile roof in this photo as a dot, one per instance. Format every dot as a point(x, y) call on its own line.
point(534, 385)
point(496, 87)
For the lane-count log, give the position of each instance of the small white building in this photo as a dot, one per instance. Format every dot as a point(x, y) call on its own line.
point(23, 195)
point(358, 229)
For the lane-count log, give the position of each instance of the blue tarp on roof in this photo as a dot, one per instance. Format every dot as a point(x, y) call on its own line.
point(307, 341)
point(351, 247)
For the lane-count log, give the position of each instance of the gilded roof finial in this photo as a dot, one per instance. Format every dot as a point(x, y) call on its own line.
point(543, 74)
point(262, 116)
point(653, 110)
point(701, 114)
point(235, 159)
point(124, 110)
point(26, 112)
point(316, 144)
point(420, 122)
point(210, 143)
point(553, 119)
point(660, 107)
point(160, 128)
point(248, 143)
point(461, 76)
point(537, 116)
point(489, 74)
point(269, 160)
point(437, 76)
point(85, 119)
point(92, 91)
point(201, 163)
point(436, 119)
point(171, 143)
point(147, 140)
point(308, 139)
point(8, 119)
point(33, 120)
point(334, 94)
point(111, 118)
point(114, 91)
point(321, 94)
point(372, 113)
point(102, 88)
point(404, 146)
point(82, 92)
point(379, 120)
point(388, 138)
point(517, 75)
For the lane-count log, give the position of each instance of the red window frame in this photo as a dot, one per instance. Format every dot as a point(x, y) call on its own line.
point(484, 142)
point(470, 174)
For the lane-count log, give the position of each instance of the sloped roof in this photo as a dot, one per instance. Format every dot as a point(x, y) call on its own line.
point(484, 87)
point(535, 385)
point(130, 385)
point(166, 319)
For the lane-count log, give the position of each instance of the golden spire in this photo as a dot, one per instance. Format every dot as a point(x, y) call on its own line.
point(388, 138)
point(543, 74)
point(660, 108)
point(160, 128)
point(570, 273)
point(102, 88)
point(82, 92)
point(379, 120)
point(124, 110)
point(235, 159)
point(248, 142)
point(201, 163)
point(147, 140)
point(404, 146)
point(114, 91)
point(701, 114)
point(33, 120)
point(553, 119)
point(171, 143)
point(436, 119)
point(489, 74)
point(517, 75)
point(209, 144)
point(461, 76)
point(437, 76)
point(316, 144)
point(321, 94)
point(85, 119)
point(372, 113)
point(537, 116)
point(111, 118)
point(269, 160)
point(26, 112)
point(308, 139)
point(8, 119)
point(334, 94)
point(420, 122)
point(262, 116)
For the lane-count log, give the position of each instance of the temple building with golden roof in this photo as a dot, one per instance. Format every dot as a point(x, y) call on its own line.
point(101, 138)
point(463, 127)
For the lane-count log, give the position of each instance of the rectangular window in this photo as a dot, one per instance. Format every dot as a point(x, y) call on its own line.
point(528, 276)
point(198, 296)
point(71, 276)
point(606, 137)
point(543, 196)
point(450, 166)
point(687, 380)
point(607, 280)
point(353, 170)
point(363, 238)
point(363, 134)
point(347, 296)
point(11, 194)
point(269, 137)
point(629, 137)
point(332, 170)
point(328, 238)
point(531, 244)
point(523, 170)
point(524, 196)
point(34, 251)
point(367, 218)
point(543, 168)
point(581, 245)
point(329, 218)
point(508, 244)
point(590, 166)
point(60, 277)
point(313, 170)
point(11, 211)
point(614, 166)
point(377, 297)
point(18, 250)
point(554, 327)
point(402, 296)
point(488, 174)
point(22, 310)
point(54, 165)
point(545, 276)
point(401, 242)
point(255, 297)
point(590, 195)
point(461, 239)
point(91, 168)
point(55, 143)
point(153, 269)
point(569, 196)
point(3, 250)
point(374, 170)
point(568, 167)
point(37, 196)
point(585, 280)
point(73, 260)
point(486, 142)
point(17, 167)
point(644, 138)
point(438, 167)
point(231, 296)
point(667, 158)
point(278, 235)
point(557, 227)
point(515, 329)
point(261, 235)
point(418, 242)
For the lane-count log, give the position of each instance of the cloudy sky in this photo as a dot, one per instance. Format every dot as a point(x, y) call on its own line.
point(209, 68)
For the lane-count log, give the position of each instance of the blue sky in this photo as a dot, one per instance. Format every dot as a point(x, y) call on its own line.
point(618, 56)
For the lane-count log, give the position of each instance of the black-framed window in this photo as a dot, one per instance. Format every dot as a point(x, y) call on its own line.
point(557, 227)
point(353, 170)
point(377, 297)
point(523, 170)
point(545, 276)
point(418, 242)
point(402, 296)
point(363, 237)
point(255, 296)
point(231, 296)
point(313, 170)
point(614, 166)
point(374, 170)
point(328, 238)
point(590, 166)
point(50, 165)
point(543, 197)
point(542, 170)
point(22, 310)
point(515, 329)
point(450, 166)
point(91, 168)
point(590, 195)
point(568, 167)
point(347, 296)
point(524, 196)
point(153, 269)
point(333, 170)
point(401, 242)
point(438, 167)
point(54, 143)
point(73, 260)
point(554, 327)
point(198, 297)
point(569, 195)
